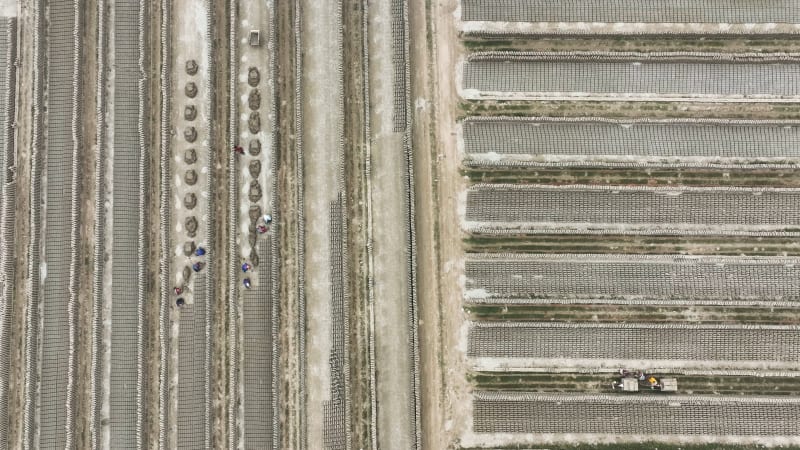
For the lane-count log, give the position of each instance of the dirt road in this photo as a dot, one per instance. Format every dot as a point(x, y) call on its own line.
point(446, 407)
point(323, 128)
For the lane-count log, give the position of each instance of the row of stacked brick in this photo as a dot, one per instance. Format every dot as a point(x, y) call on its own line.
point(260, 374)
point(52, 326)
point(508, 208)
point(165, 211)
point(259, 366)
point(631, 11)
point(8, 188)
point(336, 433)
point(643, 277)
point(399, 60)
point(688, 345)
point(631, 76)
point(607, 142)
point(233, 224)
point(508, 412)
point(34, 251)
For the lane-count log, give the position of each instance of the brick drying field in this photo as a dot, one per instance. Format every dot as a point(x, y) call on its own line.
point(597, 181)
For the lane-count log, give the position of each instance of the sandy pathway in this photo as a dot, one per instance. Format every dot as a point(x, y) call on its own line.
point(395, 401)
point(323, 128)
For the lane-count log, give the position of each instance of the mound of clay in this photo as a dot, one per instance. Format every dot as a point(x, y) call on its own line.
point(254, 167)
point(255, 213)
point(253, 77)
point(191, 225)
point(190, 177)
point(251, 237)
point(190, 200)
point(190, 90)
point(254, 100)
point(254, 147)
point(254, 194)
point(187, 273)
point(253, 256)
point(189, 112)
point(188, 248)
point(191, 67)
point(190, 156)
point(254, 122)
point(190, 134)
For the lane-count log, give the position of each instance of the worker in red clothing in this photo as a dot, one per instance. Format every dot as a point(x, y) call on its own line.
point(238, 149)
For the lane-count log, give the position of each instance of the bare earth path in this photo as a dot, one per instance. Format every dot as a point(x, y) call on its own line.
point(323, 129)
point(395, 400)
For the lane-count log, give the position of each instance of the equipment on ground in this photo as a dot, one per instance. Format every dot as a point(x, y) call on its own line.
point(255, 38)
point(636, 381)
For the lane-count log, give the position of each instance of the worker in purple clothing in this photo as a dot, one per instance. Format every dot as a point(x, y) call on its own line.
point(246, 283)
point(180, 302)
point(197, 267)
point(245, 267)
point(200, 251)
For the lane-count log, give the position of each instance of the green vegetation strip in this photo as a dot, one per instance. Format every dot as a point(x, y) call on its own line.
point(604, 313)
point(642, 44)
point(600, 383)
point(638, 176)
point(629, 109)
point(684, 245)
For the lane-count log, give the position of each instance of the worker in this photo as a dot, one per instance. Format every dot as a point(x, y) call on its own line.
point(245, 267)
point(198, 266)
point(652, 380)
point(246, 283)
point(178, 290)
point(238, 149)
point(641, 376)
point(180, 302)
point(267, 219)
point(200, 251)
point(261, 229)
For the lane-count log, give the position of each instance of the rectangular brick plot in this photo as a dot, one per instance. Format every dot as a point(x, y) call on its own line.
point(589, 276)
point(571, 141)
point(632, 210)
point(505, 412)
point(630, 76)
point(632, 11)
point(711, 344)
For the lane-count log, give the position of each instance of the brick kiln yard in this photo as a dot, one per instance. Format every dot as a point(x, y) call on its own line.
point(396, 224)
point(611, 162)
